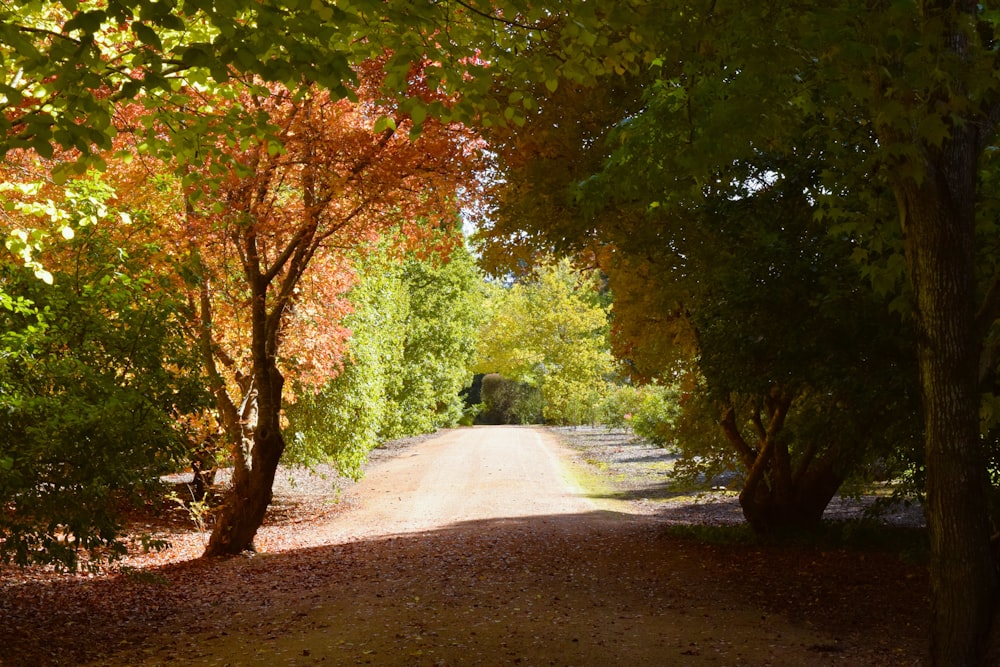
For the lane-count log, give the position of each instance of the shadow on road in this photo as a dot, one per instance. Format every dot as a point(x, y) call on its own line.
point(586, 589)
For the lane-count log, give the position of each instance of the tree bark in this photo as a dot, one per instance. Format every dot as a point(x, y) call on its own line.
point(939, 223)
point(249, 495)
point(246, 502)
point(936, 188)
point(773, 498)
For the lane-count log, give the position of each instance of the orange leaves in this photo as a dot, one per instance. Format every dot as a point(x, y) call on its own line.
point(276, 217)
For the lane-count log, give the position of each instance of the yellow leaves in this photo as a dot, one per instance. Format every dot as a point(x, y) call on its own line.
point(549, 332)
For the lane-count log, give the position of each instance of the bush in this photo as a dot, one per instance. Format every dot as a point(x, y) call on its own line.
point(509, 402)
point(651, 411)
point(94, 372)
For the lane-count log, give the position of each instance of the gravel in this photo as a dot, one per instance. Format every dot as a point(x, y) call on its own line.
point(640, 473)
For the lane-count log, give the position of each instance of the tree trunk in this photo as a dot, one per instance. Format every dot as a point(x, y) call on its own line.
point(774, 499)
point(204, 468)
point(939, 224)
point(246, 502)
point(799, 510)
point(249, 496)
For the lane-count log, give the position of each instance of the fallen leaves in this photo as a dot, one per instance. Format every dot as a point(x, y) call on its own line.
point(584, 589)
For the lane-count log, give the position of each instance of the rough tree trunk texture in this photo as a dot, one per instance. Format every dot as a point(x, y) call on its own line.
point(935, 188)
point(775, 498)
point(247, 500)
point(249, 495)
point(939, 223)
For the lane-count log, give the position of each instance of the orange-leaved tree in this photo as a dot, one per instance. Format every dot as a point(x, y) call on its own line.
point(267, 230)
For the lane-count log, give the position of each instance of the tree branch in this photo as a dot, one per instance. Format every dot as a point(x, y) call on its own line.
point(728, 422)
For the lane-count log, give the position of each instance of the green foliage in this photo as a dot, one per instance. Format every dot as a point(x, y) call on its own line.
point(64, 66)
point(509, 402)
point(445, 311)
point(344, 420)
point(93, 372)
point(413, 338)
point(651, 411)
point(550, 332)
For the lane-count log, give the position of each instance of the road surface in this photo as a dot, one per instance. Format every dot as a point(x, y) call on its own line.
point(475, 474)
point(476, 548)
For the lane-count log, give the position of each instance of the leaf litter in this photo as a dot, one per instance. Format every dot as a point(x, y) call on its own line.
point(595, 589)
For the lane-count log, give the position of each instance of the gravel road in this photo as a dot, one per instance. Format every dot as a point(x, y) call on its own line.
point(482, 547)
point(464, 475)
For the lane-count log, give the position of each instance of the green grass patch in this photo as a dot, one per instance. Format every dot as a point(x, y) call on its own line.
point(600, 465)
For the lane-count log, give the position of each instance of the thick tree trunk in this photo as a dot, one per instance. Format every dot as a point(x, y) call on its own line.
point(775, 498)
point(249, 496)
point(939, 223)
point(798, 510)
point(246, 502)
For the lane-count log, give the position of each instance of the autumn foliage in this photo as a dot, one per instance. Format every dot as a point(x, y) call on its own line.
point(257, 240)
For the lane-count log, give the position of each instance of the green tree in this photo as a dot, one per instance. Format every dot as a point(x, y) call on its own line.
point(344, 420)
point(550, 332)
point(899, 94)
point(94, 373)
point(801, 360)
point(896, 94)
point(412, 341)
point(445, 298)
point(509, 401)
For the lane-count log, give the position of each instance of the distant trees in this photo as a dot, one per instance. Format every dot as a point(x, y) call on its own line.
point(412, 342)
point(549, 331)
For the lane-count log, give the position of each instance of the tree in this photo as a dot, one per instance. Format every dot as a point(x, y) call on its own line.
point(412, 338)
point(551, 332)
point(900, 94)
point(799, 361)
point(509, 401)
point(269, 236)
point(344, 419)
point(94, 374)
point(445, 297)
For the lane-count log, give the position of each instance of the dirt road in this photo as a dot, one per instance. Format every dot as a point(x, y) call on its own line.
point(482, 547)
point(479, 474)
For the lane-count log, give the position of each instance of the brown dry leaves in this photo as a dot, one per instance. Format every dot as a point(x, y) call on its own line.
point(587, 589)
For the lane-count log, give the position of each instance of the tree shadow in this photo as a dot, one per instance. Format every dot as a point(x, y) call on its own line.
point(584, 589)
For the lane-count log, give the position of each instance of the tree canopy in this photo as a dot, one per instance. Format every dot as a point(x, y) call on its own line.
point(550, 331)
